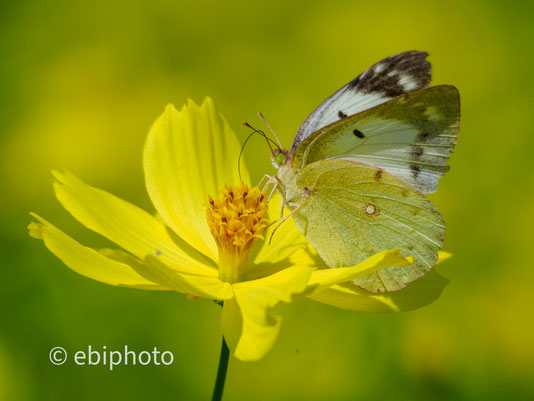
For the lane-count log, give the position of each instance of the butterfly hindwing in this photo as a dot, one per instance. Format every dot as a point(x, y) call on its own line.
point(387, 79)
point(410, 136)
point(352, 211)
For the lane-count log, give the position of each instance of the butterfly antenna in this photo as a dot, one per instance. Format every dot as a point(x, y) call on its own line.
point(255, 131)
point(240, 154)
point(270, 129)
point(269, 140)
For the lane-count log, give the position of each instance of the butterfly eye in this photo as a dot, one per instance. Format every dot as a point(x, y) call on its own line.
point(280, 158)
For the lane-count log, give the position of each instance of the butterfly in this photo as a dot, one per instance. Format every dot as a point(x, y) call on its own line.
point(357, 170)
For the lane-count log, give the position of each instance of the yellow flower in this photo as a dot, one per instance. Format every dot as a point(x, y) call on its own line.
point(207, 237)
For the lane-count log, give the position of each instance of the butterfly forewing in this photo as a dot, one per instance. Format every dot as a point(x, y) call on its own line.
point(410, 136)
point(352, 210)
point(387, 79)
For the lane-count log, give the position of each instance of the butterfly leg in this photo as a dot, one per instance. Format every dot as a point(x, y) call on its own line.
point(283, 220)
point(263, 178)
point(272, 191)
point(271, 180)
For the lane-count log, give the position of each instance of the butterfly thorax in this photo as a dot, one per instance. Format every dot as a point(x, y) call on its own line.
point(287, 185)
point(286, 177)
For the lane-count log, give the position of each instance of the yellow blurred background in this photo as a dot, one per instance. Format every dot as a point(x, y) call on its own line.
point(81, 83)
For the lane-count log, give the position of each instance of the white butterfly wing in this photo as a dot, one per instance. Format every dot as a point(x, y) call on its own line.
point(410, 137)
point(387, 79)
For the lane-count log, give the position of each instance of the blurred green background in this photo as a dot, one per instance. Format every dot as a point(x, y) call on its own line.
point(80, 84)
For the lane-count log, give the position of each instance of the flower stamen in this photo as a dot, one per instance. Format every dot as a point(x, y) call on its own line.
point(236, 218)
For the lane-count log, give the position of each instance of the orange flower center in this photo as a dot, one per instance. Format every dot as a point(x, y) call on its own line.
point(236, 218)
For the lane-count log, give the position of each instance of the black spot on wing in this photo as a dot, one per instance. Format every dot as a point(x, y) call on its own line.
point(359, 134)
point(340, 114)
point(378, 175)
point(417, 151)
point(423, 136)
point(385, 76)
point(415, 170)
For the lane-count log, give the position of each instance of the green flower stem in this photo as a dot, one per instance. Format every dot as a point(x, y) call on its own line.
point(221, 372)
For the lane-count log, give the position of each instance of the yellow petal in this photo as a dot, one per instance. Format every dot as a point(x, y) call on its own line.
point(123, 223)
point(87, 261)
point(190, 155)
point(324, 278)
point(155, 270)
point(442, 256)
point(417, 294)
point(250, 331)
point(287, 239)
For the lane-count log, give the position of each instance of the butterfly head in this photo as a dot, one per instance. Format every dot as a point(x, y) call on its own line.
point(279, 157)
